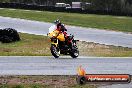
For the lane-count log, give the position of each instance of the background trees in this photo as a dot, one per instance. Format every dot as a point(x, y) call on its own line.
point(119, 6)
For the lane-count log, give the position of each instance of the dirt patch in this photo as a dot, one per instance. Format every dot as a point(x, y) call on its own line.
point(45, 82)
point(52, 81)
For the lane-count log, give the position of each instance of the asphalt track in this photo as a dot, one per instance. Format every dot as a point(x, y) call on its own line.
point(65, 65)
point(84, 34)
point(17, 65)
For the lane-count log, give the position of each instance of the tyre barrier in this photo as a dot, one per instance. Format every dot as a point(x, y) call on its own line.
point(8, 35)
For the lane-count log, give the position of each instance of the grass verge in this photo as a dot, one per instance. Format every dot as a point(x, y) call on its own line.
point(41, 82)
point(30, 45)
point(38, 45)
point(116, 23)
point(99, 50)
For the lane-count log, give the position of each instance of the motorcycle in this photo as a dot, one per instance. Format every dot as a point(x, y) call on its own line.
point(62, 45)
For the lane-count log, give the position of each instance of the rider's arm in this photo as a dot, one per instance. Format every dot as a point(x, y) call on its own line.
point(63, 28)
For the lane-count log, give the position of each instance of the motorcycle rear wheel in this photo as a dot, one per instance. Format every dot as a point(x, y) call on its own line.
point(74, 53)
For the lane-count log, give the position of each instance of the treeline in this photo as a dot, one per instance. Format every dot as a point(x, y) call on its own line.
point(116, 6)
point(119, 7)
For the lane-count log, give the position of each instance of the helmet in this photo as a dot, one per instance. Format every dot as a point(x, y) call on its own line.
point(57, 21)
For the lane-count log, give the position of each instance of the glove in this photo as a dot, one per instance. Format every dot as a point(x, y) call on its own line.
point(65, 29)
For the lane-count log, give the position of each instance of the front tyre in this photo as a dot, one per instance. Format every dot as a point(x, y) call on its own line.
point(54, 51)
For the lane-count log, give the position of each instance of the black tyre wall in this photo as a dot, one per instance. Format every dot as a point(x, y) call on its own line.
point(8, 35)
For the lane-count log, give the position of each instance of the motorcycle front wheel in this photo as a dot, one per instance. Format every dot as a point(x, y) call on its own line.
point(54, 51)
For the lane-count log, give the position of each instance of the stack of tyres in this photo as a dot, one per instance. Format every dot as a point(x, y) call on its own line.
point(8, 35)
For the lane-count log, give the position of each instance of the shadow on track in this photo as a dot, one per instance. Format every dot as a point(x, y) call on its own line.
point(68, 57)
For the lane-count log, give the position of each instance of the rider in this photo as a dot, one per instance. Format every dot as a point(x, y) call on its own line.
point(61, 27)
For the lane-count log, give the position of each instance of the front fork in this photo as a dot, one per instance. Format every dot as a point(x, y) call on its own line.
point(55, 43)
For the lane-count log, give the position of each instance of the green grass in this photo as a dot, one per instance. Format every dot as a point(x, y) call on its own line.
point(38, 45)
point(30, 45)
point(99, 50)
point(116, 23)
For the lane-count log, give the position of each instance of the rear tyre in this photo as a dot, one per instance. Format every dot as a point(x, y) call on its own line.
point(54, 51)
point(74, 53)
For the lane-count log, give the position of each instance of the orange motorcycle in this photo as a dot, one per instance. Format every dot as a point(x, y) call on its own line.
point(62, 45)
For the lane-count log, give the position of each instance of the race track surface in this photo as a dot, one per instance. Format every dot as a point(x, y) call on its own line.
point(65, 65)
point(84, 34)
point(16, 65)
